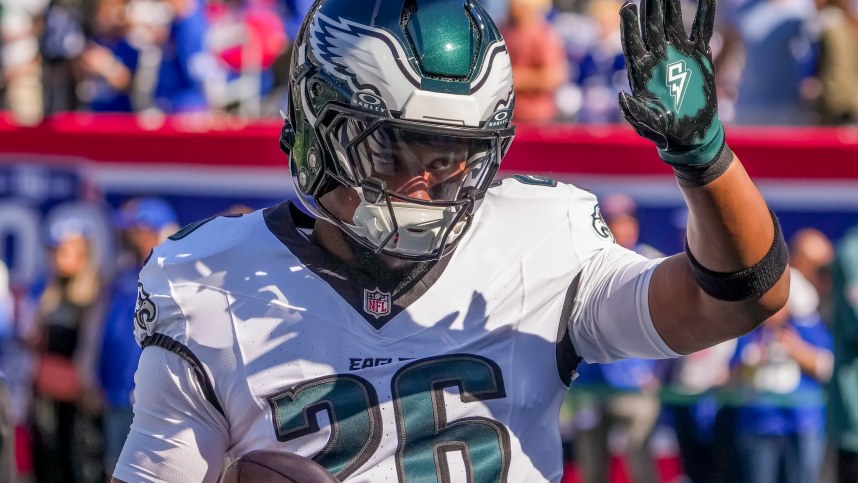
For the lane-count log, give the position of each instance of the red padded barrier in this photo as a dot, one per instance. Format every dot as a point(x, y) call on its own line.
point(769, 152)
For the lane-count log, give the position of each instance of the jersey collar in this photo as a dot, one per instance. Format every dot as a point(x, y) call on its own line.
point(378, 296)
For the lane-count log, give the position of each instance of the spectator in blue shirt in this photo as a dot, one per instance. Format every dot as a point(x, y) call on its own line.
point(144, 223)
point(782, 367)
point(777, 40)
point(109, 61)
point(185, 62)
point(601, 72)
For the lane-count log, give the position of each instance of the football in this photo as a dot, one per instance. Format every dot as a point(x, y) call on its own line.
point(276, 467)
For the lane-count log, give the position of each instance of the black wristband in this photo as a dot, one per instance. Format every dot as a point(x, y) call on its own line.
point(750, 282)
point(692, 176)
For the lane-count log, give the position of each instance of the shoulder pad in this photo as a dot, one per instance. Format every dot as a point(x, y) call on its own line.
point(204, 238)
point(543, 204)
point(535, 187)
point(157, 311)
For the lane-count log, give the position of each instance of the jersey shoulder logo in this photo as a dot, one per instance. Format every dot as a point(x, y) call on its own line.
point(677, 81)
point(145, 311)
point(600, 226)
point(376, 303)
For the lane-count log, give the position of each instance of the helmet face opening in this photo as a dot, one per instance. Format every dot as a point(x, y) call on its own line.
point(400, 119)
point(418, 184)
point(414, 162)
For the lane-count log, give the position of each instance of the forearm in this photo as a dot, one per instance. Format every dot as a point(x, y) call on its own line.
point(119, 77)
point(729, 229)
point(729, 226)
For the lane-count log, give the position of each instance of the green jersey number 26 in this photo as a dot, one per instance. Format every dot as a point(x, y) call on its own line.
point(423, 430)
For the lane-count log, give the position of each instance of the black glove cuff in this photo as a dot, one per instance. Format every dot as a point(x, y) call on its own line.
point(750, 282)
point(691, 176)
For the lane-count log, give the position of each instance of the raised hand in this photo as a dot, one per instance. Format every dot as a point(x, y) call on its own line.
point(673, 101)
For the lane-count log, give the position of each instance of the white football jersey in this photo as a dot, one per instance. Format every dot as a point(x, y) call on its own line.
point(457, 375)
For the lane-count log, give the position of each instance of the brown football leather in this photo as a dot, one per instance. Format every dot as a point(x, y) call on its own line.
point(276, 467)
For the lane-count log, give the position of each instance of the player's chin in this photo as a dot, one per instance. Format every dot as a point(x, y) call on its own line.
point(397, 263)
point(394, 263)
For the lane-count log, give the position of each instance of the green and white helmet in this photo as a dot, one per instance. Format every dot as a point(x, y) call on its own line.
point(406, 104)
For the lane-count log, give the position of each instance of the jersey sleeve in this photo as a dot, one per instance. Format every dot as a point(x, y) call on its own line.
point(176, 435)
point(609, 285)
point(610, 319)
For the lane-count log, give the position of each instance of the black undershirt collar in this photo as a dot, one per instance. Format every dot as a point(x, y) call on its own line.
point(398, 288)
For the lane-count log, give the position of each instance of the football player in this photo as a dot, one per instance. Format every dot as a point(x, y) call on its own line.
point(425, 322)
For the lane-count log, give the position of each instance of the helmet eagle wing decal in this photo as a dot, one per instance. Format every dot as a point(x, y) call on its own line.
point(364, 56)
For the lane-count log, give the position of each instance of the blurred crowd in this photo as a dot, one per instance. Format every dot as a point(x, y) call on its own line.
point(146, 56)
point(67, 349)
point(69, 354)
point(777, 61)
point(776, 405)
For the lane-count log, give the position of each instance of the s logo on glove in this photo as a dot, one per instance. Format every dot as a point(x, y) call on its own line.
point(673, 101)
point(677, 82)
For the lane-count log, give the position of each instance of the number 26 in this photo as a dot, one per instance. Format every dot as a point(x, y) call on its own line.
point(424, 433)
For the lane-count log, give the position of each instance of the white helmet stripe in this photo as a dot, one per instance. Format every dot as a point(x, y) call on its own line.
point(493, 86)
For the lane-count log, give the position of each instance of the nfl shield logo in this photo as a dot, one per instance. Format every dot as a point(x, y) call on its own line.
point(376, 302)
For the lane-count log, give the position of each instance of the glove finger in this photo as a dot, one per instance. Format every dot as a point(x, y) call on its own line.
point(629, 28)
point(645, 122)
point(704, 22)
point(673, 27)
point(636, 109)
point(652, 25)
point(633, 46)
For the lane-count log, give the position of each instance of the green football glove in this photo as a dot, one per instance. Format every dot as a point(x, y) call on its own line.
point(673, 102)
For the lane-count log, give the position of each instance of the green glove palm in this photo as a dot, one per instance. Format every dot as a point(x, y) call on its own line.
point(673, 102)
